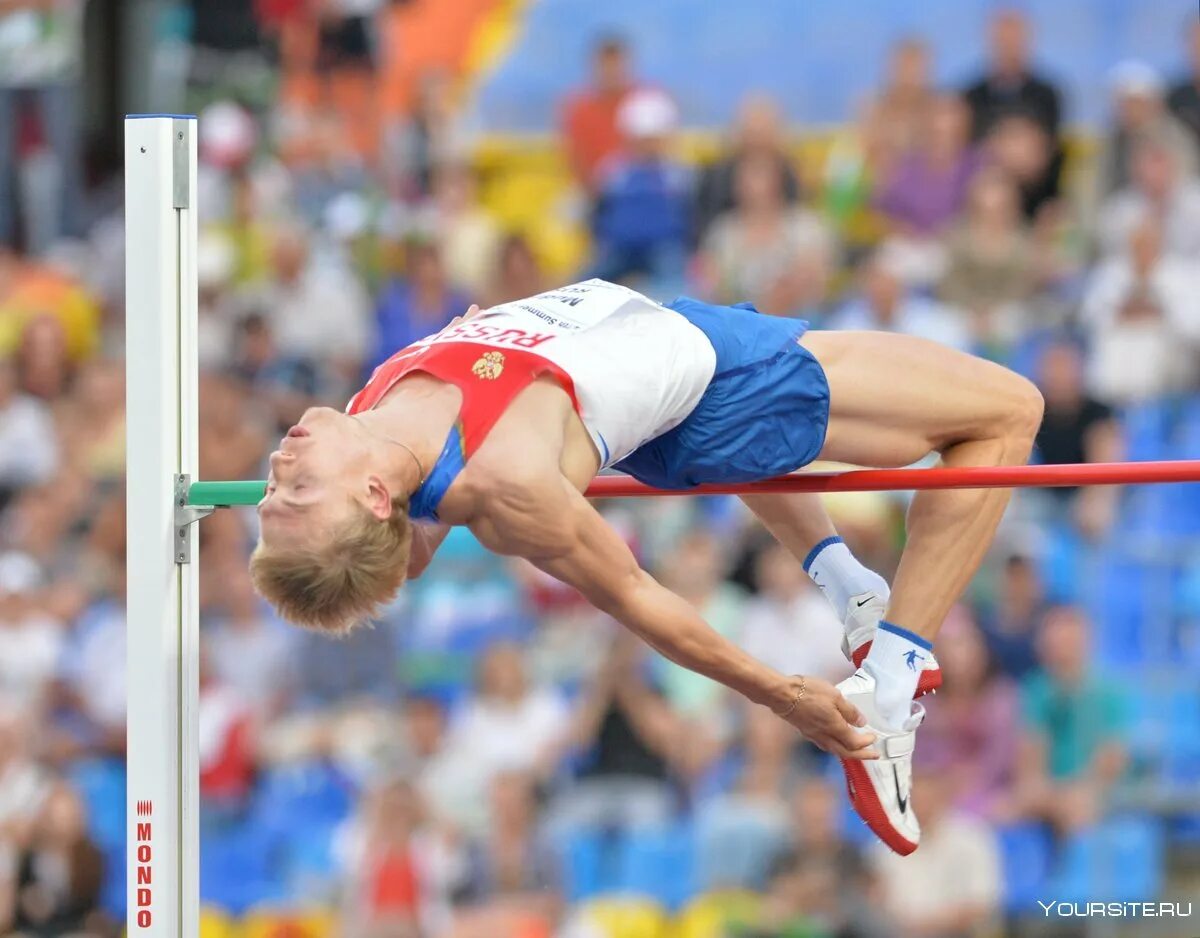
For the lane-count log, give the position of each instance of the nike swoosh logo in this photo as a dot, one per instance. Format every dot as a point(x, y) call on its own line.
point(901, 799)
point(863, 602)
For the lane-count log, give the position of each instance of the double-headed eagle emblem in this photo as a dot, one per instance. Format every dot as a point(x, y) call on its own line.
point(489, 366)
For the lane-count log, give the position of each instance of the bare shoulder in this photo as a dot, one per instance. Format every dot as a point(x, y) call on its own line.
point(522, 508)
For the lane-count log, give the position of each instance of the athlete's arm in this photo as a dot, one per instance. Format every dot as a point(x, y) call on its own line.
point(591, 557)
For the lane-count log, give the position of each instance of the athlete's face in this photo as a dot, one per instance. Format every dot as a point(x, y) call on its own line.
point(316, 475)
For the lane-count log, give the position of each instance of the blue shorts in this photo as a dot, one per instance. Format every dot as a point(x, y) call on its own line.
point(764, 413)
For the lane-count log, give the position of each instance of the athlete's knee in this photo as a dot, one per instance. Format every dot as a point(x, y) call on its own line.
point(1024, 407)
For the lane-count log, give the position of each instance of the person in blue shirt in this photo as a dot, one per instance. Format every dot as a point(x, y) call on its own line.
point(642, 219)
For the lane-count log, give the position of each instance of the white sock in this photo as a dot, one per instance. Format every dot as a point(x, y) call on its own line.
point(840, 576)
point(895, 662)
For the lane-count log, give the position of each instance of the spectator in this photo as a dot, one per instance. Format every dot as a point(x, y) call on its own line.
point(971, 735)
point(398, 871)
point(1159, 190)
point(41, 55)
point(955, 848)
point(509, 724)
point(1009, 83)
point(516, 273)
point(903, 104)
point(44, 366)
point(739, 832)
point(282, 388)
point(511, 870)
point(591, 132)
point(800, 901)
point(695, 571)
point(60, 873)
point(990, 271)
point(434, 135)
point(757, 135)
point(1184, 98)
point(779, 257)
point(825, 875)
point(1010, 627)
point(467, 234)
point(418, 305)
point(92, 421)
point(1074, 722)
point(1077, 428)
point(28, 443)
point(1021, 147)
point(642, 223)
point(92, 672)
point(226, 739)
point(1140, 111)
point(24, 785)
point(30, 639)
point(319, 311)
point(1142, 313)
point(884, 303)
point(251, 652)
point(628, 740)
point(927, 187)
point(789, 624)
point(31, 292)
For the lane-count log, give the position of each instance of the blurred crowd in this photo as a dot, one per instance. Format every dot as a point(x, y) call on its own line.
point(495, 758)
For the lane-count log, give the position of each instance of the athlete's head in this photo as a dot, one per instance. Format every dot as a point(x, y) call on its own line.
point(334, 523)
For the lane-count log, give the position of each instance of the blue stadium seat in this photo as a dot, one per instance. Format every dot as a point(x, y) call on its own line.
point(1120, 860)
point(659, 864)
point(586, 870)
point(312, 791)
point(112, 889)
point(101, 785)
point(735, 843)
point(237, 870)
point(1025, 858)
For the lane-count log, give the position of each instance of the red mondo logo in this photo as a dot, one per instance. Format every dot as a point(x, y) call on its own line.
point(144, 854)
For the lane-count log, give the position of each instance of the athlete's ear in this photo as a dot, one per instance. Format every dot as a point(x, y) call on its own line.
point(379, 500)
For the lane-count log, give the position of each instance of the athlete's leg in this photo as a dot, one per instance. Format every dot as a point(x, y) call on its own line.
point(800, 523)
point(894, 399)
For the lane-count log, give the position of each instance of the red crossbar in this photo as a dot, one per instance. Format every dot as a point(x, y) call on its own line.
point(885, 480)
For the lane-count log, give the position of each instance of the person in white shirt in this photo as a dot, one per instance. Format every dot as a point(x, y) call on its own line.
point(28, 441)
point(789, 624)
point(955, 848)
point(510, 724)
point(30, 640)
point(1159, 190)
point(1142, 314)
point(884, 304)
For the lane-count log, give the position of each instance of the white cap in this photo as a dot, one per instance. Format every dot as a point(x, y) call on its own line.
point(647, 112)
point(1136, 79)
point(228, 134)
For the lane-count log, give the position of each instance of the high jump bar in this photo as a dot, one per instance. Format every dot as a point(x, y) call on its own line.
point(226, 494)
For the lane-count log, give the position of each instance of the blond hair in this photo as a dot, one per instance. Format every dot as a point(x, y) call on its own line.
point(343, 581)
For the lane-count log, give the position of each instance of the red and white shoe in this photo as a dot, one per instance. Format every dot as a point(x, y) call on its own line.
point(863, 613)
point(880, 789)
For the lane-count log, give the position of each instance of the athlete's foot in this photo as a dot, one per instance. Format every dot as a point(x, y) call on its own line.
point(863, 613)
point(880, 789)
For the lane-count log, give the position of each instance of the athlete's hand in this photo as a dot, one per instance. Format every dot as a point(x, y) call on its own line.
point(827, 718)
point(474, 310)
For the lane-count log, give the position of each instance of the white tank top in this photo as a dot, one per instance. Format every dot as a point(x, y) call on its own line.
point(639, 368)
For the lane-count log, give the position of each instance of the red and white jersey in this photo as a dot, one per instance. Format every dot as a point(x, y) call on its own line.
point(634, 368)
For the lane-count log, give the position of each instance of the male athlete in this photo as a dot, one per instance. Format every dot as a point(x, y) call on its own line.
point(500, 421)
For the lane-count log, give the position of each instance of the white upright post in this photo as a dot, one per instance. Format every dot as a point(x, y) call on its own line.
point(162, 631)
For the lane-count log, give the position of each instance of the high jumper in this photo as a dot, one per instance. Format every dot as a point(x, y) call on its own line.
point(501, 421)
